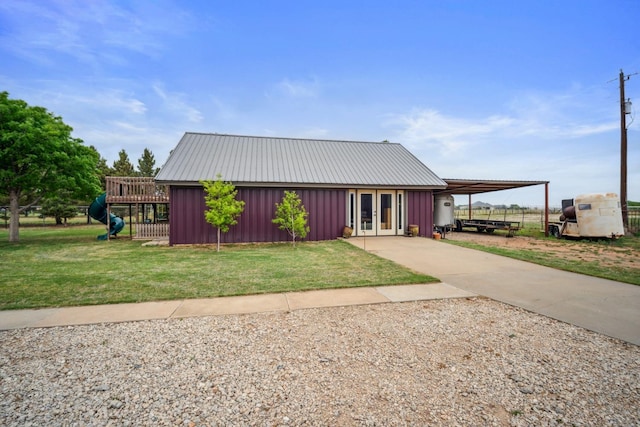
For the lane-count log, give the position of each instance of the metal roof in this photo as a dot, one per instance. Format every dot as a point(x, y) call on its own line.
point(475, 186)
point(270, 161)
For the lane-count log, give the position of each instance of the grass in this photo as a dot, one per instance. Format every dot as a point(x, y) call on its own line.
point(572, 261)
point(67, 266)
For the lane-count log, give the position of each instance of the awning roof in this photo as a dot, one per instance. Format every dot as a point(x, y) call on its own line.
point(475, 186)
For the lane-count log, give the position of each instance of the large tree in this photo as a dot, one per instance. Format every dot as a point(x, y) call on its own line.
point(224, 208)
point(123, 166)
point(103, 169)
point(147, 164)
point(38, 157)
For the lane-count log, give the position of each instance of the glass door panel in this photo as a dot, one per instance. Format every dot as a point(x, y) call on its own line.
point(366, 211)
point(386, 213)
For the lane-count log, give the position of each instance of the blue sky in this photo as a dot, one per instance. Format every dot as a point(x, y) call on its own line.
point(523, 90)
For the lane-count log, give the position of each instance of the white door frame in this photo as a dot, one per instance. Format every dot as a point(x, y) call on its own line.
point(366, 214)
point(386, 218)
point(370, 219)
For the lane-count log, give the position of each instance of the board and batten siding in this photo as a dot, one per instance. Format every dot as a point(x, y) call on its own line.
point(420, 211)
point(326, 208)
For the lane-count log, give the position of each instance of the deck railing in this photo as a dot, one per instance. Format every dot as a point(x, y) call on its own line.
point(136, 189)
point(152, 231)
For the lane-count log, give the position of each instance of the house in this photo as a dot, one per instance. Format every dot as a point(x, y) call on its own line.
point(377, 189)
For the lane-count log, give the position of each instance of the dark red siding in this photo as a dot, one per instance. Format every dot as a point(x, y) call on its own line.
point(326, 208)
point(420, 211)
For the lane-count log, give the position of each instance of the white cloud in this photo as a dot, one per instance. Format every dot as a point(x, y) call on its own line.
point(120, 115)
point(91, 32)
point(570, 138)
point(299, 88)
point(446, 134)
point(175, 102)
point(86, 101)
point(529, 119)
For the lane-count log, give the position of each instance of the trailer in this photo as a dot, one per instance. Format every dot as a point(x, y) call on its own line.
point(590, 215)
point(488, 225)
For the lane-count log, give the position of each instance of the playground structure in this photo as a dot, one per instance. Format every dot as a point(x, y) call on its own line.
point(98, 210)
point(149, 201)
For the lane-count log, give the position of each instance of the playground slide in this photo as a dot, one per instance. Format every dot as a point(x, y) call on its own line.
point(98, 211)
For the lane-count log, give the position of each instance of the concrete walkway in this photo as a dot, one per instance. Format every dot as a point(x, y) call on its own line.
point(604, 306)
point(14, 319)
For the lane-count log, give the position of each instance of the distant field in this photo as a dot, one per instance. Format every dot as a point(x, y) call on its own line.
point(34, 219)
point(533, 219)
point(529, 219)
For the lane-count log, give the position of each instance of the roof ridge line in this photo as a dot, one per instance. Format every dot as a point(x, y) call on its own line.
point(292, 138)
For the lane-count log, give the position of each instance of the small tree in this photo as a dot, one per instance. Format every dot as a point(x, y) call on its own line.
point(292, 216)
point(224, 209)
point(60, 207)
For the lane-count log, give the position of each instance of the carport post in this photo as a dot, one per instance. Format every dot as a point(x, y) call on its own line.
point(546, 209)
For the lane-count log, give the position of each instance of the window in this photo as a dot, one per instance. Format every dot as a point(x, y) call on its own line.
point(352, 210)
point(399, 211)
point(386, 205)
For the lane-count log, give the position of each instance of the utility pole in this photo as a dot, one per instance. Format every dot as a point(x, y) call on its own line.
point(623, 150)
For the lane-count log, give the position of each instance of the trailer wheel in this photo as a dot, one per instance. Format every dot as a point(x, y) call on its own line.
point(480, 229)
point(490, 230)
point(458, 225)
point(555, 231)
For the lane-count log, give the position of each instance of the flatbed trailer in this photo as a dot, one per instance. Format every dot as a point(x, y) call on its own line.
point(488, 225)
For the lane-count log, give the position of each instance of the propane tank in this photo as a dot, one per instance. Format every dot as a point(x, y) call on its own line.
point(568, 212)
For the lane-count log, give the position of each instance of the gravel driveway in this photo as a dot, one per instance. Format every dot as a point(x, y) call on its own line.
point(445, 362)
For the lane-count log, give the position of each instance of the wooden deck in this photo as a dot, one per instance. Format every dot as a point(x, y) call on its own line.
point(138, 189)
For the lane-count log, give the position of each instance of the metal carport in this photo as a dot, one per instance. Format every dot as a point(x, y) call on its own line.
point(477, 186)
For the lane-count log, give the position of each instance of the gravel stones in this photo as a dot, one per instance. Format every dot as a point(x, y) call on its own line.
point(447, 362)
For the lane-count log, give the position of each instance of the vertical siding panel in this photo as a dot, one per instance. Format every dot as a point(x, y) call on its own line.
point(337, 213)
point(420, 211)
point(310, 202)
point(187, 223)
point(326, 209)
point(174, 216)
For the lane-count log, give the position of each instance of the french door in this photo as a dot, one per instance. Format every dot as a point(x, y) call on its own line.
point(378, 212)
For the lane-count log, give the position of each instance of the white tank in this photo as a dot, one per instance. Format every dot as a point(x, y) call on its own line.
point(443, 210)
point(599, 215)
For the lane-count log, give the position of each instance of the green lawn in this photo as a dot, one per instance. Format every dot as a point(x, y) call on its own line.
point(66, 266)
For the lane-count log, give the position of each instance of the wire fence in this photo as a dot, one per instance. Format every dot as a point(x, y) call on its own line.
point(633, 213)
point(533, 218)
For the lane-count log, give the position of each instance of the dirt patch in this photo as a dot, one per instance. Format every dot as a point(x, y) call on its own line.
point(603, 252)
